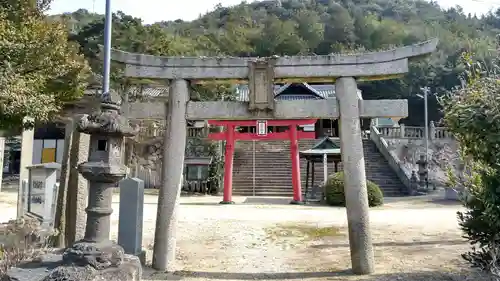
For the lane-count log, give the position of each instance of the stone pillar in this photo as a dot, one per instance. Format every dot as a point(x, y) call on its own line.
point(129, 143)
point(27, 139)
point(356, 194)
point(2, 152)
point(77, 191)
point(62, 195)
point(173, 165)
point(402, 129)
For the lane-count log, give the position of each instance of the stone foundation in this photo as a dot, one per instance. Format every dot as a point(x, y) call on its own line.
point(51, 268)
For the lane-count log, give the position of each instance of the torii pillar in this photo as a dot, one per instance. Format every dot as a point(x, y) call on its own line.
point(261, 74)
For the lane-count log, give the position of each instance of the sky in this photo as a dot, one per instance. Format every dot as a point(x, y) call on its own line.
point(163, 10)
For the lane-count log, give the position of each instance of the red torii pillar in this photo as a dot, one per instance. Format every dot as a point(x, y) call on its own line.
point(230, 136)
point(294, 155)
point(227, 198)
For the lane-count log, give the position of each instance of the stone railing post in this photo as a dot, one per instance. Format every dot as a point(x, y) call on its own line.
point(356, 194)
point(432, 130)
point(154, 129)
point(402, 131)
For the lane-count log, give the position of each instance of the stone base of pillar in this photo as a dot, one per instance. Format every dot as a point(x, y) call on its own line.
point(226, 202)
point(51, 267)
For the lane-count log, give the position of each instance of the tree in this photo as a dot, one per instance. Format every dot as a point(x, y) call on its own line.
point(289, 27)
point(310, 28)
point(472, 114)
point(339, 31)
point(278, 38)
point(40, 70)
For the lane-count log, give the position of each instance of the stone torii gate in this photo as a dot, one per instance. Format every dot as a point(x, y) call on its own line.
point(261, 74)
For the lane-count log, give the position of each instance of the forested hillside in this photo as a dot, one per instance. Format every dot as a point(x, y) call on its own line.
point(291, 27)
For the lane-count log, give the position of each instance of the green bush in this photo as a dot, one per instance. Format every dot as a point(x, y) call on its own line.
point(334, 191)
point(472, 115)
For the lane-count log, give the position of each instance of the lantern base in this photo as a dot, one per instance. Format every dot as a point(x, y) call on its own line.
point(51, 267)
point(97, 255)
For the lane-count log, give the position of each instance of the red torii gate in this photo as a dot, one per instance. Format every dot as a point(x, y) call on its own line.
point(230, 136)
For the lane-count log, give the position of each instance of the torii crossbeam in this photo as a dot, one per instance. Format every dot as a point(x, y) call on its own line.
point(261, 74)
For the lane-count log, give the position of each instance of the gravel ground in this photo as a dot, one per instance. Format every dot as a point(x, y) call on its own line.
point(267, 239)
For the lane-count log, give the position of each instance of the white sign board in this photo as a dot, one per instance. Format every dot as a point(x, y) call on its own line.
point(37, 200)
point(261, 127)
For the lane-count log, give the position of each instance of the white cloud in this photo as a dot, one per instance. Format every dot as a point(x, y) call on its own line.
point(472, 6)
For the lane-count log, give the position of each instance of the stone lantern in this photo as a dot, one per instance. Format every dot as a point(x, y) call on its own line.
point(95, 257)
point(423, 172)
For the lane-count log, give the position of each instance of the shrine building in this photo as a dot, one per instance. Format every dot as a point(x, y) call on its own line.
point(303, 91)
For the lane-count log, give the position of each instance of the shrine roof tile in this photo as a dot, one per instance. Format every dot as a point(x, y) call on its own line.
point(315, 92)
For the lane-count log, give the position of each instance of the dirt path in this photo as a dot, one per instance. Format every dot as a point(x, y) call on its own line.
point(261, 239)
point(413, 241)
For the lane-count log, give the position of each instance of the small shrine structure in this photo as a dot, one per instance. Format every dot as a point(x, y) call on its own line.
point(325, 151)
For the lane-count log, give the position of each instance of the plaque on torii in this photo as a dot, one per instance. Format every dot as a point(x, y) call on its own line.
point(261, 85)
point(261, 74)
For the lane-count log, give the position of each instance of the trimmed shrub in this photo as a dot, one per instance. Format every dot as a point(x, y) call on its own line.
point(334, 191)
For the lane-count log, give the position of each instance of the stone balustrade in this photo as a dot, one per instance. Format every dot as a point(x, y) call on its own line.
point(155, 129)
point(413, 132)
point(440, 133)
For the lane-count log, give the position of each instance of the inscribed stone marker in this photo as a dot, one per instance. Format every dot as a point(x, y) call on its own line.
point(131, 216)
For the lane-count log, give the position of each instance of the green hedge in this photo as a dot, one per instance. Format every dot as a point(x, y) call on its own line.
point(334, 191)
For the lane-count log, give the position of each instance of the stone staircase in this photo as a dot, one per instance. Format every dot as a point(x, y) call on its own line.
point(273, 169)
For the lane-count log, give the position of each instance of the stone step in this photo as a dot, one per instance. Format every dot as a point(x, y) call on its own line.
point(288, 184)
point(273, 167)
point(270, 192)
